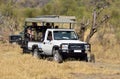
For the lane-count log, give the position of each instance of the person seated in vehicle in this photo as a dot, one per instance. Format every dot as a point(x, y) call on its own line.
point(30, 34)
point(49, 36)
point(27, 33)
point(34, 24)
point(56, 27)
point(48, 26)
point(35, 31)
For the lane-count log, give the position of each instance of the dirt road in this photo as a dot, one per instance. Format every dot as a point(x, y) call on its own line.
point(112, 73)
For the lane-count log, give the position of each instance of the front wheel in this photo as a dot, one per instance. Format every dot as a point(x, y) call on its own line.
point(36, 53)
point(57, 57)
point(91, 58)
point(25, 51)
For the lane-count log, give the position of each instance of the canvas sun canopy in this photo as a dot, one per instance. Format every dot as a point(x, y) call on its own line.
point(50, 20)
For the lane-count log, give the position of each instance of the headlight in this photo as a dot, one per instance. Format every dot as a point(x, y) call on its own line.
point(64, 47)
point(87, 47)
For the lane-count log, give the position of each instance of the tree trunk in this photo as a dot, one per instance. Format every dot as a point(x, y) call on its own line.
point(82, 32)
point(93, 28)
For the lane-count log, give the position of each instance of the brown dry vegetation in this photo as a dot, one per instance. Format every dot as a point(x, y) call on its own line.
point(15, 65)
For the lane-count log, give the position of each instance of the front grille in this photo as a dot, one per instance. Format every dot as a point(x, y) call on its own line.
point(76, 46)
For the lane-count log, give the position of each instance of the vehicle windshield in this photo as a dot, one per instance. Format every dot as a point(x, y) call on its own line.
point(65, 35)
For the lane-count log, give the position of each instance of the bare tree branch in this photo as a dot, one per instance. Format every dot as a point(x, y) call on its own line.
point(82, 29)
point(95, 24)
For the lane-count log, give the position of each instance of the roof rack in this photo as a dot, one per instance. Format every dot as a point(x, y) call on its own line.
point(52, 19)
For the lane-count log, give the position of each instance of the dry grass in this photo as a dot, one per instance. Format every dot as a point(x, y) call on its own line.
point(109, 50)
point(14, 65)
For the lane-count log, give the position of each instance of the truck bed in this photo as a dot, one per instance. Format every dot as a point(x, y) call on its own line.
point(31, 43)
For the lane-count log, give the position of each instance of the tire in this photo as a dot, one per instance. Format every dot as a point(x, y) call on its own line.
point(84, 57)
point(35, 53)
point(57, 57)
point(91, 58)
point(25, 51)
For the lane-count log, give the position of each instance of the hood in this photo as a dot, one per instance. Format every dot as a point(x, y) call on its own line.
point(58, 42)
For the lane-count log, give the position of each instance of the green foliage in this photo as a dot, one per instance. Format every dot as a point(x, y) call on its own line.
point(65, 7)
point(47, 10)
point(115, 14)
point(30, 12)
point(118, 34)
point(6, 10)
point(78, 8)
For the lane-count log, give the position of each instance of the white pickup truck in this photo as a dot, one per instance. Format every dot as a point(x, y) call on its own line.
point(60, 43)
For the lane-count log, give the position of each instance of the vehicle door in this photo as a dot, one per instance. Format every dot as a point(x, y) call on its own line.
point(48, 43)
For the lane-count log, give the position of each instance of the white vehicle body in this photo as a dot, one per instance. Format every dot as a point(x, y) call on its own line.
point(47, 45)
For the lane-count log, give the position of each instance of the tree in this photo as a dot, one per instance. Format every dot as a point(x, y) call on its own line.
point(69, 7)
point(84, 24)
point(96, 22)
point(8, 22)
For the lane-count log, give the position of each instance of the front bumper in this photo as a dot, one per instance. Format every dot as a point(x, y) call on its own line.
point(73, 53)
point(74, 50)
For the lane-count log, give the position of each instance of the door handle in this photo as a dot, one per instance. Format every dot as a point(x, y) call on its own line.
point(43, 42)
point(47, 43)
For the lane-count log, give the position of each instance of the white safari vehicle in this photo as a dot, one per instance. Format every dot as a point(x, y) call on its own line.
point(56, 42)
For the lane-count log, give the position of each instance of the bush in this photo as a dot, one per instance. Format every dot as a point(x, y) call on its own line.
point(31, 12)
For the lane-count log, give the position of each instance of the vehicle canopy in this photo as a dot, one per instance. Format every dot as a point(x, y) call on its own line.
point(52, 19)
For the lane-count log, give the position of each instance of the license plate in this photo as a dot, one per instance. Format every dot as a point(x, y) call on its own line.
point(77, 51)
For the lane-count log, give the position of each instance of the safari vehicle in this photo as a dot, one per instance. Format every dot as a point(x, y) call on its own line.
point(15, 39)
point(59, 43)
